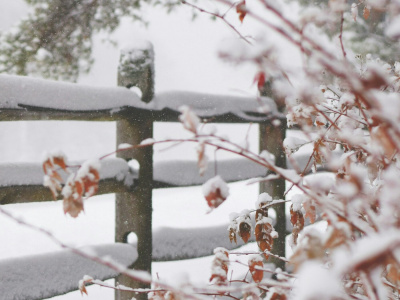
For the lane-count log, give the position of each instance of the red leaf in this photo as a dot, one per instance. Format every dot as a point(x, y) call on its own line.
point(260, 79)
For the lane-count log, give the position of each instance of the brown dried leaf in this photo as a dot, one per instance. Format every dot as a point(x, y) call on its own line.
point(60, 161)
point(244, 231)
point(264, 239)
point(219, 267)
point(277, 296)
point(232, 235)
point(90, 182)
point(256, 261)
point(202, 161)
point(297, 220)
point(82, 287)
point(215, 198)
point(72, 201)
point(215, 191)
point(393, 272)
point(366, 12)
point(52, 178)
point(241, 10)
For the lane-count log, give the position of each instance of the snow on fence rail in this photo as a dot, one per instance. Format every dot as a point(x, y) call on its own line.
point(23, 182)
point(47, 275)
point(23, 98)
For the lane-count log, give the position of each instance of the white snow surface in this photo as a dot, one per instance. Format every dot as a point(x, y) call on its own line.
point(17, 91)
point(46, 275)
point(208, 105)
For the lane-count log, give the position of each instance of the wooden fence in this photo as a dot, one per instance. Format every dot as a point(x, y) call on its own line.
point(23, 98)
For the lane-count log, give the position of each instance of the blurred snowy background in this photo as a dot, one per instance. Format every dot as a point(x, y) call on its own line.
point(185, 59)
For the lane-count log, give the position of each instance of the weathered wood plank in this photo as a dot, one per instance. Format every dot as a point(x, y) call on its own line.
point(133, 209)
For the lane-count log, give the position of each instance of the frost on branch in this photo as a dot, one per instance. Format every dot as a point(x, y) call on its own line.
point(215, 190)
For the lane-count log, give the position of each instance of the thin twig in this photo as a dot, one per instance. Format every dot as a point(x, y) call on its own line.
point(221, 17)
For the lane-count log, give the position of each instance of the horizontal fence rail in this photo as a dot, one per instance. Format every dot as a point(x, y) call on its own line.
point(117, 176)
point(24, 98)
point(23, 182)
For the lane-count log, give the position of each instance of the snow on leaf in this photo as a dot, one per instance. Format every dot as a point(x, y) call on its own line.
point(254, 262)
point(263, 199)
point(297, 220)
point(52, 178)
point(293, 144)
point(263, 232)
point(82, 288)
point(83, 183)
point(219, 266)
point(215, 190)
point(189, 119)
point(244, 226)
point(202, 160)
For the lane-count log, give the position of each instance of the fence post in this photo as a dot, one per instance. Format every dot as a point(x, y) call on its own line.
point(134, 208)
point(271, 139)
